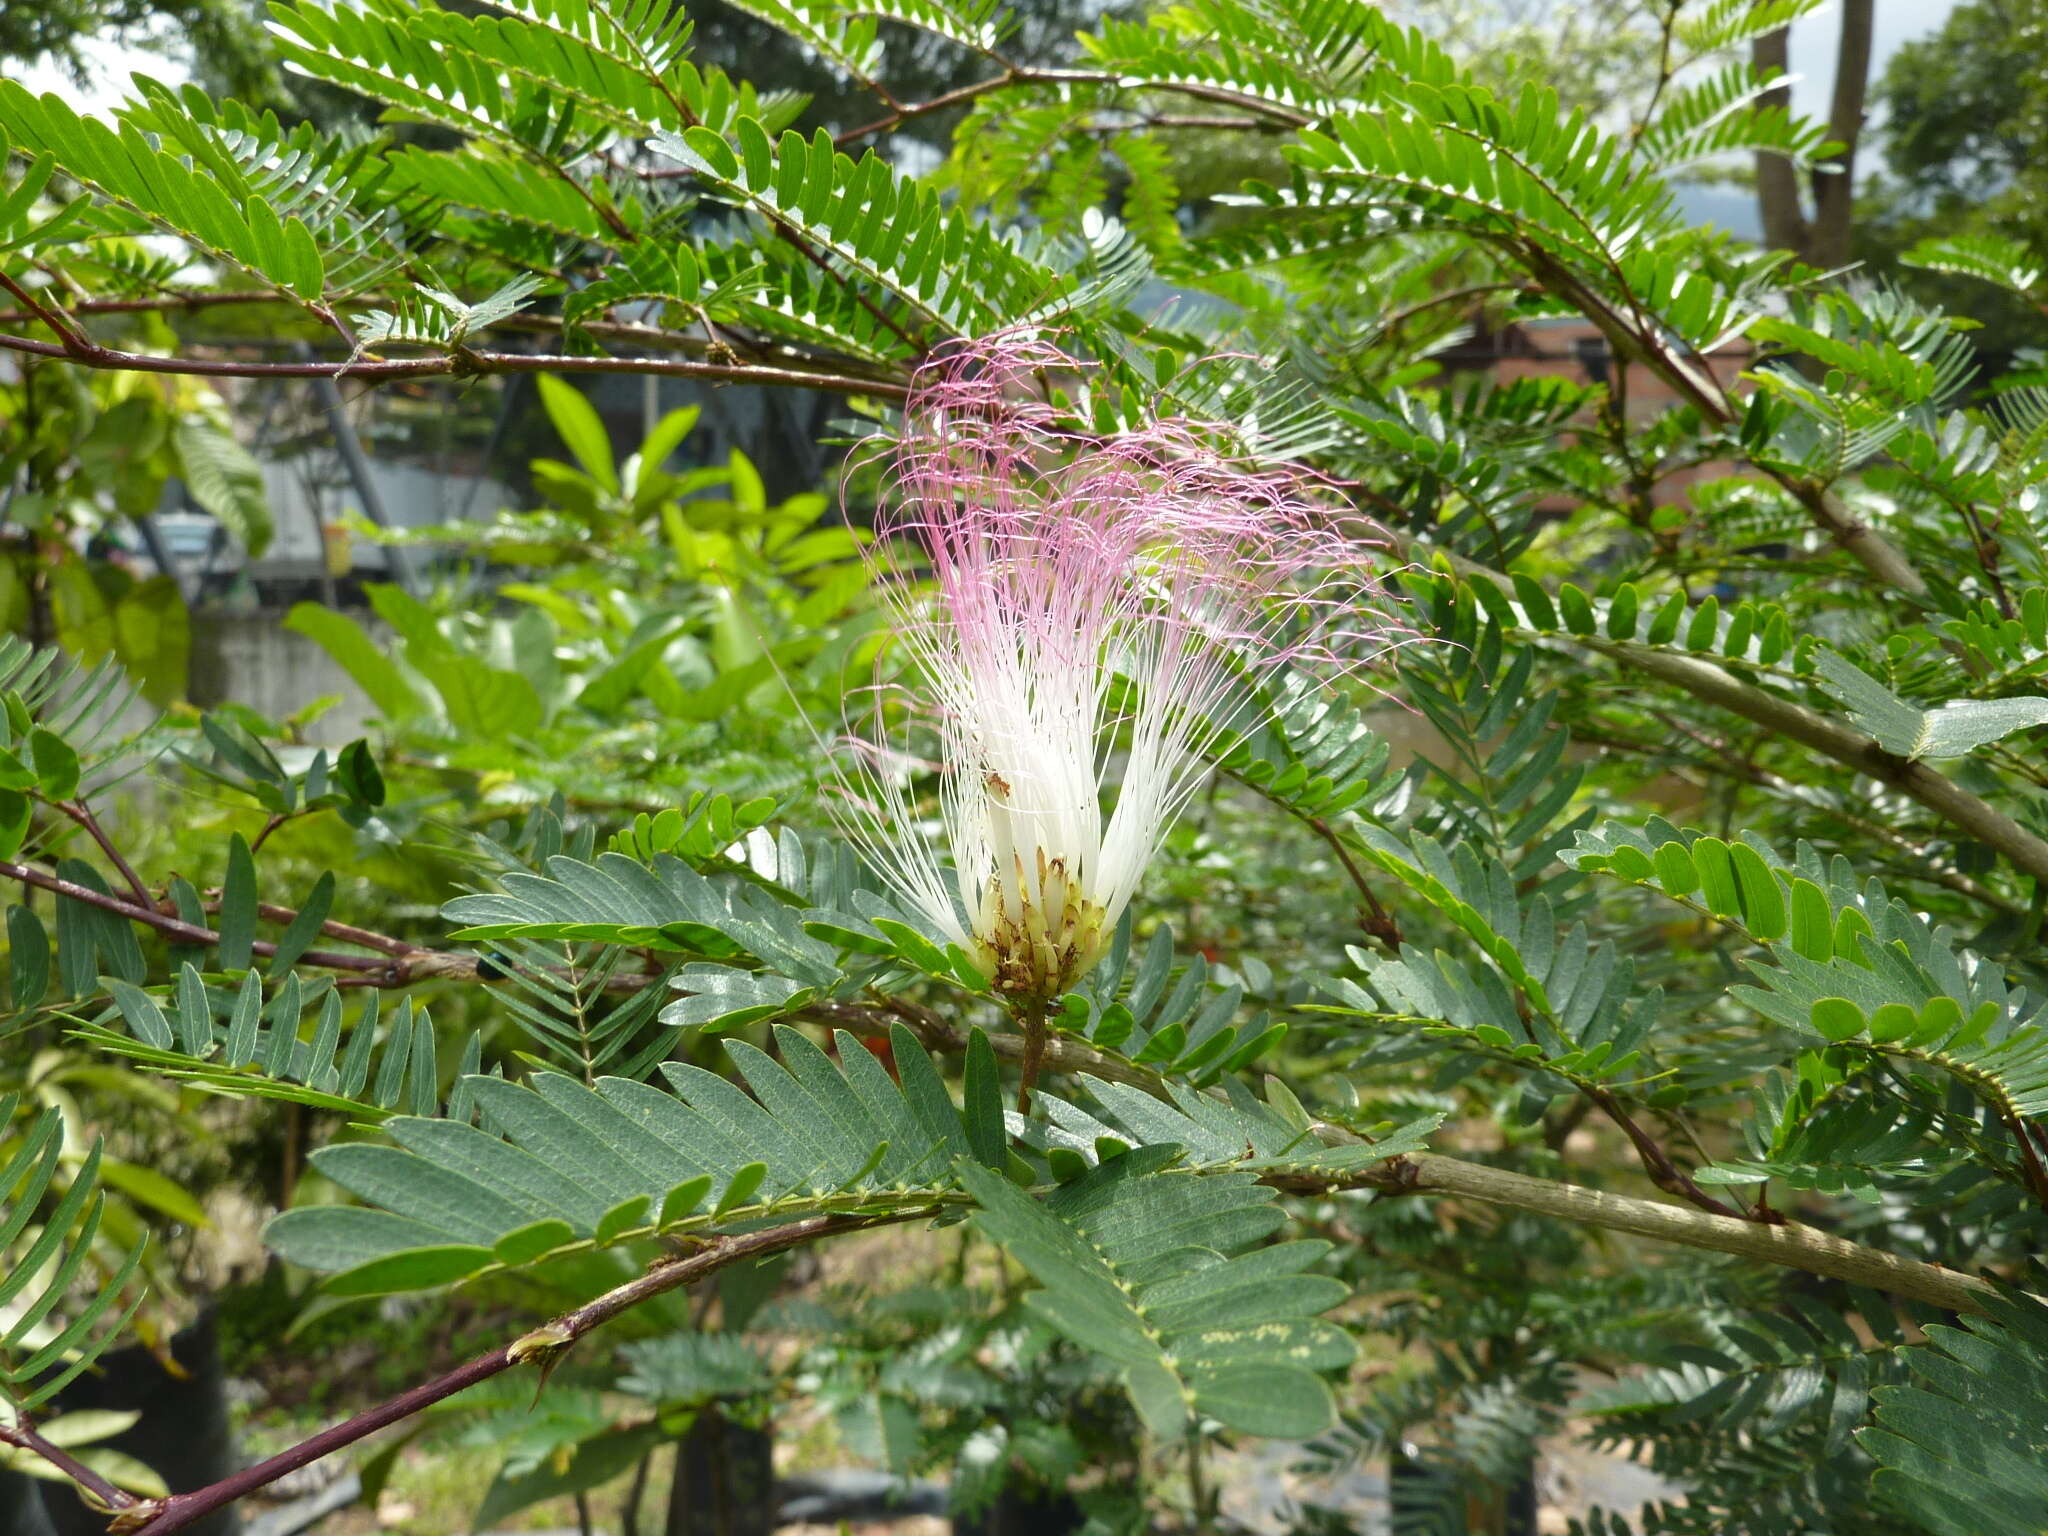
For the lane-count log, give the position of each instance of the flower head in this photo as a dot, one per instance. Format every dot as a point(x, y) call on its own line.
point(1093, 618)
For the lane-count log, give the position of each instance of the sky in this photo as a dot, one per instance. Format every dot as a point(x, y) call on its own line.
point(1814, 38)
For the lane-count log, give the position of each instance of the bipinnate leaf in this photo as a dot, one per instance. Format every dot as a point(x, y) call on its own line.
point(1961, 1448)
point(1136, 1263)
point(556, 1164)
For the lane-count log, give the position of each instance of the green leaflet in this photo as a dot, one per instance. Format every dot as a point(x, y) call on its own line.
point(44, 1281)
point(1137, 1264)
point(1961, 1450)
point(1954, 729)
point(558, 1164)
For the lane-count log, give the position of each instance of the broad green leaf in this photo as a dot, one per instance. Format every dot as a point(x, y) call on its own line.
point(342, 638)
point(576, 420)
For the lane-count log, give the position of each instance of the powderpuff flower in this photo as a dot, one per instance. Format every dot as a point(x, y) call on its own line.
point(1089, 620)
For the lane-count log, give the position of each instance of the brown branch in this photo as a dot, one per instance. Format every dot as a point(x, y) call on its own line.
point(630, 332)
point(146, 912)
point(389, 971)
point(1376, 920)
point(462, 364)
point(2032, 1171)
point(1216, 122)
point(1449, 296)
point(348, 933)
point(789, 233)
point(543, 1347)
point(1663, 1172)
point(82, 814)
point(73, 338)
point(277, 819)
point(1264, 116)
point(96, 1488)
point(906, 112)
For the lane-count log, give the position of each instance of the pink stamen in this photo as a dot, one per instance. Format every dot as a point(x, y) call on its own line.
point(1082, 594)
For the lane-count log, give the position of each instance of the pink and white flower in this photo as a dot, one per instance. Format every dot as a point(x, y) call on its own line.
point(1095, 617)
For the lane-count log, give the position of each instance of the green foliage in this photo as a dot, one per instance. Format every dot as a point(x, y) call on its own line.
point(560, 1166)
point(1958, 1445)
point(47, 1232)
point(234, 1041)
point(1148, 1269)
point(1690, 839)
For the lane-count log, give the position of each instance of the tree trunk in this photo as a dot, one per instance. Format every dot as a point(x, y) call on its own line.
point(1777, 183)
point(1825, 241)
point(1834, 186)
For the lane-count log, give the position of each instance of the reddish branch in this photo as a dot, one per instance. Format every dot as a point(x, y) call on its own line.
point(348, 933)
point(81, 813)
point(1376, 920)
point(1663, 1172)
point(160, 304)
point(634, 333)
point(397, 971)
point(94, 1486)
point(400, 964)
point(542, 1348)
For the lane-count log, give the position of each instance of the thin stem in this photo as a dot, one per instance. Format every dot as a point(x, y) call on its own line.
point(1200, 1499)
point(81, 813)
point(460, 364)
point(907, 111)
point(95, 1487)
point(631, 332)
point(401, 966)
point(2031, 1168)
point(1377, 922)
point(1448, 296)
point(1668, 26)
point(73, 338)
point(157, 305)
point(333, 928)
point(277, 819)
point(191, 933)
point(1664, 1173)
